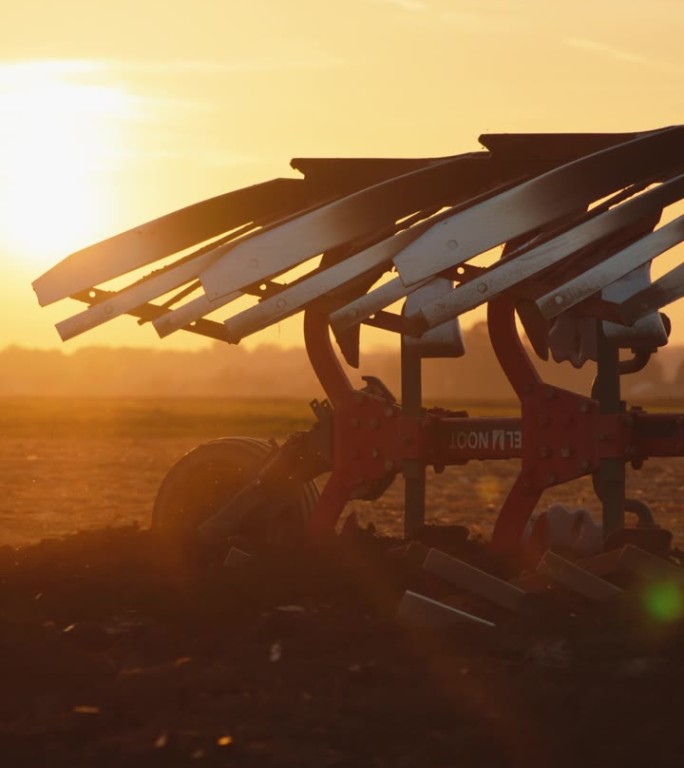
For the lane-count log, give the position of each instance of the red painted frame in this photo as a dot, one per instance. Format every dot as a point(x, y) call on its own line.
point(559, 436)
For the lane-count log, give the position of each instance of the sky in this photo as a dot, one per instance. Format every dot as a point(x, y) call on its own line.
point(113, 114)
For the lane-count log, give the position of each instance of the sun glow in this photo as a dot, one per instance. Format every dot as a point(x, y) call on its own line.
point(58, 133)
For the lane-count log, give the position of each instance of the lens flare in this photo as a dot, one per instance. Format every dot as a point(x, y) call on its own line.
point(664, 602)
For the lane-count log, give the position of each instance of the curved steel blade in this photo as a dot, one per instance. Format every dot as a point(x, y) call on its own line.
point(165, 236)
point(351, 218)
point(535, 203)
point(511, 273)
point(614, 267)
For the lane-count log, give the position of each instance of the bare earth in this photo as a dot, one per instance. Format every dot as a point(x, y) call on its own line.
point(107, 658)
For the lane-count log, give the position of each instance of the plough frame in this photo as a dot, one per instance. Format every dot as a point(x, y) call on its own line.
point(576, 216)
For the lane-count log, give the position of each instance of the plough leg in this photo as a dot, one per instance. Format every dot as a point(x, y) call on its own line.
point(414, 469)
point(514, 514)
point(338, 388)
point(523, 496)
point(330, 506)
point(609, 481)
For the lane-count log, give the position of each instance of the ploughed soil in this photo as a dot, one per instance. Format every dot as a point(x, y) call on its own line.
point(112, 655)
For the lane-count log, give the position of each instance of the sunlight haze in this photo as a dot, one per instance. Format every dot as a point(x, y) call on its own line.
point(111, 115)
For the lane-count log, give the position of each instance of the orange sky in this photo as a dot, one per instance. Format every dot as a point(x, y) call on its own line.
point(112, 114)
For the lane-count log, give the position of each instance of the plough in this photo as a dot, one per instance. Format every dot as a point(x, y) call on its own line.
point(557, 230)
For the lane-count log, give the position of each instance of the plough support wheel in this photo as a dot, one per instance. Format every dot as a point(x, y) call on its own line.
point(206, 479)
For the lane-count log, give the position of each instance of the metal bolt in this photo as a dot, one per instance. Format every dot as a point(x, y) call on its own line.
point(584, 465)
point(482, 287)
point(389, 465)
point(558, 299)
point(585, 407)
point(375, 453)
point(452, 245)
point(281, 303)
point(254, 263)
point(389, 412)
point(566, 451)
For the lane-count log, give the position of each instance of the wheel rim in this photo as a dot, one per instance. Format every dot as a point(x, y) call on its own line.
point(207, 477)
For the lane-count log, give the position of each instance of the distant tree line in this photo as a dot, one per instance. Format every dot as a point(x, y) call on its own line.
point(270, 371)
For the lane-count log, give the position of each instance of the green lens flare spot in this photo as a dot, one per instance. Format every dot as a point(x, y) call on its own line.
point(664, 602)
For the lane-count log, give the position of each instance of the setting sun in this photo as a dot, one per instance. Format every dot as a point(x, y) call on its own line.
point(56, 137)
point(102, 129)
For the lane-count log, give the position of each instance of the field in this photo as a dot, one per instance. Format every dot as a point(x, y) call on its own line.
point(106, 658)
point(71, 465)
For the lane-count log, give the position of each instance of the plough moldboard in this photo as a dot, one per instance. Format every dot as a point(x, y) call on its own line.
point(579, 219)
